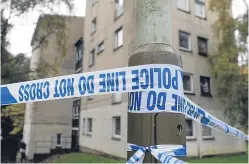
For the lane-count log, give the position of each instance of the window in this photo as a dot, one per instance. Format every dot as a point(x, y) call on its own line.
point(89, 126)
point(76, 114)
point(116, 122)
point(79, 53)
point(76, 109)
point(119, 8)
point(189, 128)
point(101, 47)
point(116, 98)
point(92, 58)
point(184, 41)
point(94, 25)
point(206, 132)
point(200, 9)
point(188, 83)
point(83, 126)
point(58, 143)
point(118, 38)
point(183, 5)
point(202, 46)
point(205, 86)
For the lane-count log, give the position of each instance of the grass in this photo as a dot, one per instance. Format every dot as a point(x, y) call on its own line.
point(91, 158)
point(222, 159)
point(84, 158)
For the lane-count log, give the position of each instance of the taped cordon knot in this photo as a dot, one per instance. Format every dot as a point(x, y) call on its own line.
point(163, 153)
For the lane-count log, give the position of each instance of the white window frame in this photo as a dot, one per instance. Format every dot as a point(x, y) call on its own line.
point(206, 137)
point(92, 58)
point(189, 42)
point(94, 25)
point(202, 4)
point(191, 81)
point(119, 8)
point(99, 46)
point(194, 128)
point(118, 33)
point(88, 128)
point(114, 127)
point(186, 7)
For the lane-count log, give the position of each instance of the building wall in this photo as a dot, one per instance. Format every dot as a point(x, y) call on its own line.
point(44, 120)
point(200, 66)
point(27, 128)
point(100, 108)
point(102, 139)
point(220, 143)
point(30, 107)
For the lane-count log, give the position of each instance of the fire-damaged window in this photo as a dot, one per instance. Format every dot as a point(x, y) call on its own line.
point(79, 54)
point(205, 86)
point(202, 46)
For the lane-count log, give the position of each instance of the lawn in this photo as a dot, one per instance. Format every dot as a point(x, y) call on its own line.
point(84, 158)
point(222, 159)
point(90, 158)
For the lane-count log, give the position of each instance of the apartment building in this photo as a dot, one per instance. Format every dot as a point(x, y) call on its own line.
point(109, 34)
point(54, 124)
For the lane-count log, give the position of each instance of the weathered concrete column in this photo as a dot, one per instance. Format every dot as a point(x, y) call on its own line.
point(153, 46)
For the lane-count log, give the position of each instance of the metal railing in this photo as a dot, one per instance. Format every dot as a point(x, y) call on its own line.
point(45, 146)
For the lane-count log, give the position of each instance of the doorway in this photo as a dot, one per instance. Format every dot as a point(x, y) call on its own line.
point(75, 140)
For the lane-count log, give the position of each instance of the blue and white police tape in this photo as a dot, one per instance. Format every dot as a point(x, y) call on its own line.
point(153, 88)
point(128, 79)
point(163, 153)
point(157, 101)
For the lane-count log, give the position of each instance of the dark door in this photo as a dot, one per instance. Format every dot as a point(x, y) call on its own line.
point(75, 140)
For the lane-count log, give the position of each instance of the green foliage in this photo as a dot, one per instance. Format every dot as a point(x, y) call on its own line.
point(16, 112)
point(17, 8)
point(47, 25)
point(48, 28)
point(231, 85)
point(16, 69)
point(13, 69)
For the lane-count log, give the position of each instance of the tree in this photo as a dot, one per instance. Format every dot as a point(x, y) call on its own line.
point(231, 84)
point(50, 25)
point(12, 117)
point(13, 69)
point(17, 8)
point(16, 69)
